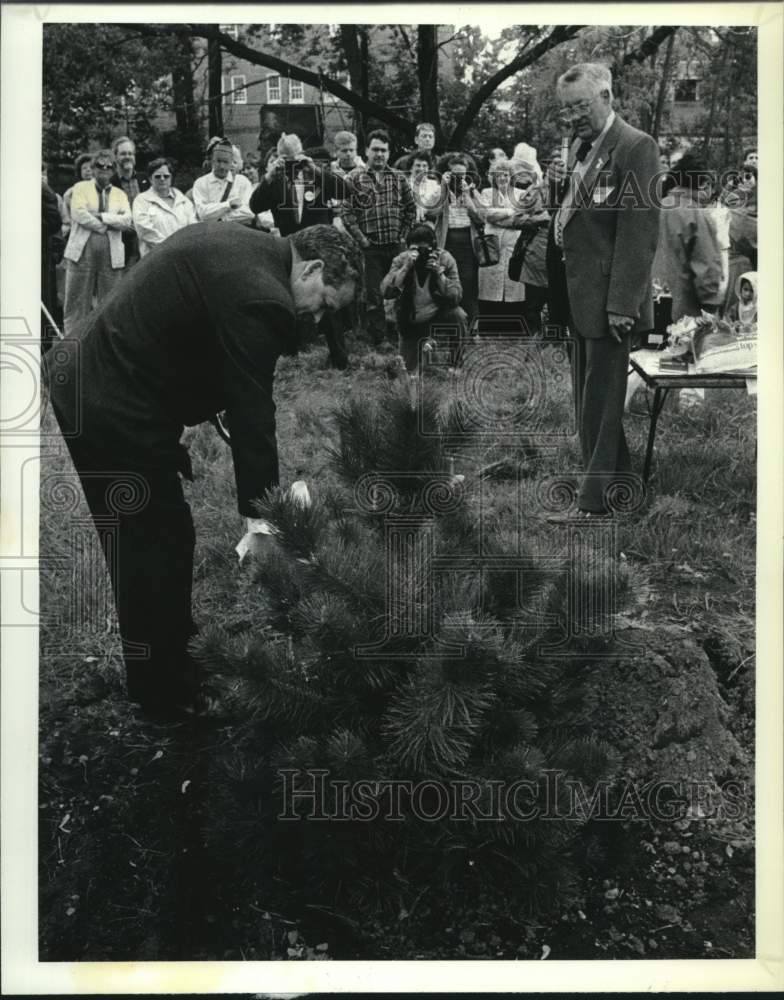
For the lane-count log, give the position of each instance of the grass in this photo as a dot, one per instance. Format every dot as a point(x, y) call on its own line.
point(126, 867)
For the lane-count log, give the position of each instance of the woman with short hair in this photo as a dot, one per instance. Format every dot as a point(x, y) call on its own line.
point(83, 171)
point(162, 209)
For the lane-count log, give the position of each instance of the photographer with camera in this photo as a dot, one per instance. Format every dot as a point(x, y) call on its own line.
point(297, 190)
point(425, 281)
point(458, 219)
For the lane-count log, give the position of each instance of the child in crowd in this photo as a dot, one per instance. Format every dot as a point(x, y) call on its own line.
point(745, 309)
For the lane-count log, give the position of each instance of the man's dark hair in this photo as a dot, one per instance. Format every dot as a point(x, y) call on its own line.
point(341, 255)
point(421, 233)
point(420, 154)
point(319, 154)
point(377, 133)
point(159, 161)
point(691, 171)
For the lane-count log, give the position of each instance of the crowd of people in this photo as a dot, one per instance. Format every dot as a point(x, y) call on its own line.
point(113, 215)
point(181, 310)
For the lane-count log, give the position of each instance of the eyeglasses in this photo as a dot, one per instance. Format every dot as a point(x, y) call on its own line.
point(103, 166)
point(161, 177)
point(575, 110)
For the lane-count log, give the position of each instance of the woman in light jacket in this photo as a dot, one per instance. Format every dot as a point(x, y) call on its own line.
point(457, 218)
point(501, 300)
point(162, 209)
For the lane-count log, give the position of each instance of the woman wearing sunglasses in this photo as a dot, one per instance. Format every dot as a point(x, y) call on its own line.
point(162, 209)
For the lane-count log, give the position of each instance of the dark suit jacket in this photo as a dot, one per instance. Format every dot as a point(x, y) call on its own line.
point(276, 195)
point(192, 329)
point(610, 233)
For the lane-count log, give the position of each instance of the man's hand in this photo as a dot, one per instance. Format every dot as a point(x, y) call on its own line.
point(619, 325)
point(433, 264)
point(235, 202)
point(556, 170)
point(412, 257)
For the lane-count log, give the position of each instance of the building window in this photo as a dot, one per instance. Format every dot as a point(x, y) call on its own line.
point(686, 91)
point(296, 92)
point(239, 93)
point(273, 90)
point(230, 29)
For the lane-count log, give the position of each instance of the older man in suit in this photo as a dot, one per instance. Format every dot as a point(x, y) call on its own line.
point(602, 245)
point(195, 328)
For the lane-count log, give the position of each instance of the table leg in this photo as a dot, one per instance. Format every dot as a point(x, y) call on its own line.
point(659, 398)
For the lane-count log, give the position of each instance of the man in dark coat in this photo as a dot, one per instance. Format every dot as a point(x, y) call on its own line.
point(195, 328)
point(298, 191)
point(602, 244)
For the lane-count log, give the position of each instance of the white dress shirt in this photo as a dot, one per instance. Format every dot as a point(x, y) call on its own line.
point(208, 192)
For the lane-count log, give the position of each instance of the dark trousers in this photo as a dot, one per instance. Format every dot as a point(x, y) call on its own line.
point(459, 243)
point(378, 260)
point(535, 301)
point(600, 367)
point(148, 542)
point(455, 327)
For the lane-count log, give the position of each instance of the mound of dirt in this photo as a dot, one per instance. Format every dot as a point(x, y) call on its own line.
point(660, 707)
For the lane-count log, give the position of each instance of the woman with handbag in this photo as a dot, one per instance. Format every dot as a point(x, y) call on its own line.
point(458, 219)
point(501, 300)
point(527, 263)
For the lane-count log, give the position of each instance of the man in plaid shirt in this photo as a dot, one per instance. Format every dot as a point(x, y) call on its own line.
point(378, 214)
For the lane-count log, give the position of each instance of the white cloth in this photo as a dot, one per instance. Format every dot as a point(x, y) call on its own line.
point(208, 191)
point(155, 218)
point(719, 217)
point(427, 194)
point(494, 282)
point(299, 196)
point(458, 215)
point(85, 199)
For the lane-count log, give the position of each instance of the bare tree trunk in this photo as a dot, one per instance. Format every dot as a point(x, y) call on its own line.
point(349, 40)
point(663, 85)
point(364, 72)
point(215, 86)
point(427, 73)
point(714, 103)
point(188, 137)
point(182, 86)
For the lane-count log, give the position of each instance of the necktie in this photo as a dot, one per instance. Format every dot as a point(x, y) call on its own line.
point(583, 150)
point(102, 200)
point(580, 154)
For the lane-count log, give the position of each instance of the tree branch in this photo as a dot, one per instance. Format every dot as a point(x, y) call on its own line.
point(560, 34)
point(648, 47)
point(242, 51)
